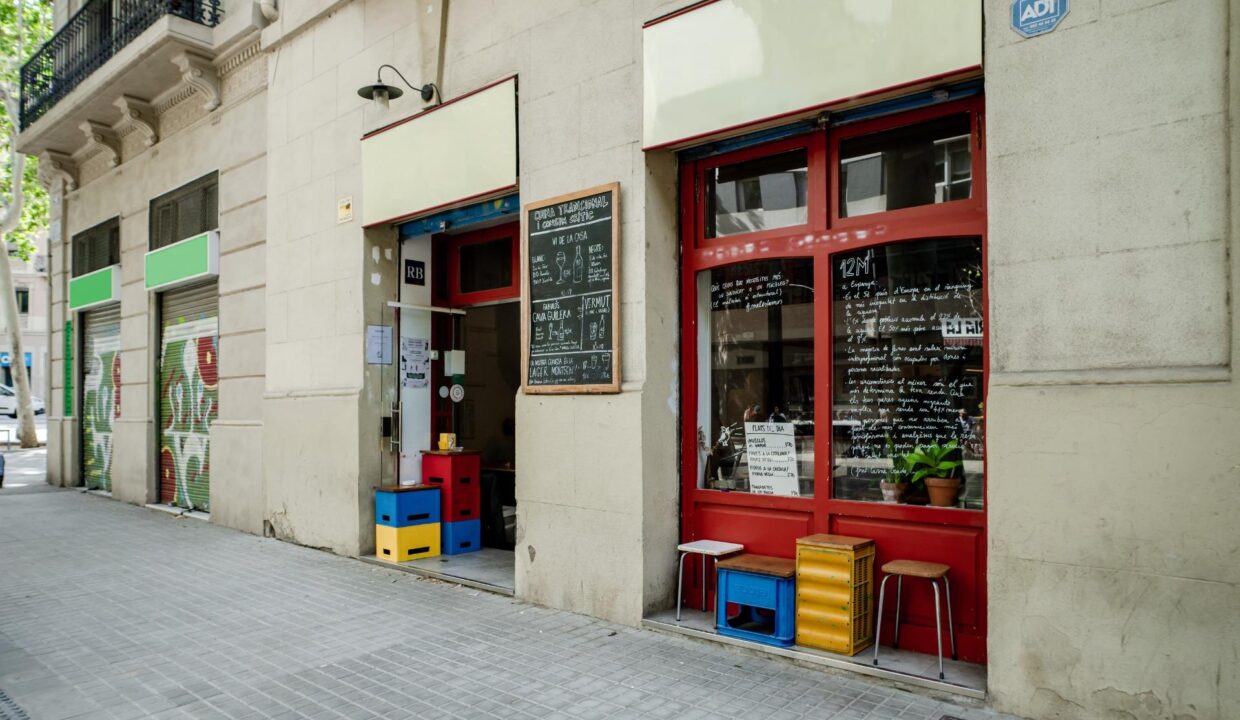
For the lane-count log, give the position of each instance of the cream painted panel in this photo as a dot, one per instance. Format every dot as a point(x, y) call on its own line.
point(735, 62)
point(454, 152)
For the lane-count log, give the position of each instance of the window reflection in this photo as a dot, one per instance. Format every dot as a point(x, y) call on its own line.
point(756, 377)
point(760, 194)
point(908, 362)
point(921, 164)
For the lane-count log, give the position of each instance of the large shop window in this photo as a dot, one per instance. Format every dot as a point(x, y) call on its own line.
point(907, 361)
point(922, 164)
point(756, 350)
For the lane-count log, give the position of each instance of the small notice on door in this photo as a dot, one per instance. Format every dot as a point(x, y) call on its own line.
point(772, 454)
point(415, 362)
point(379, 344)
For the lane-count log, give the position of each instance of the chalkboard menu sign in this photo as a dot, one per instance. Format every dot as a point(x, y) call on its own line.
point(908, 356)
point(570, 260)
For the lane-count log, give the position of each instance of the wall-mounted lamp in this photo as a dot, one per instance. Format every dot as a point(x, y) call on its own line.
point(383, 93)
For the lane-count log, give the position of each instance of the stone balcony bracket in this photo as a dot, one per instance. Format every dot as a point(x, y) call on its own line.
point(199, 72)
point(54, 166)
point(138, 116)
point(101, 138)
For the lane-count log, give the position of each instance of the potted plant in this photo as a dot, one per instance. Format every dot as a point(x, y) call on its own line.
point(931, 463)
point(896, 481)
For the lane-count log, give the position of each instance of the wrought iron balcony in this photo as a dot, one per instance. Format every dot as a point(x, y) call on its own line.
point(91, 37)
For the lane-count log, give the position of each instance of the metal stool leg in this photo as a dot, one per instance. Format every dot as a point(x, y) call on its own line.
point(899, 602)
point(703, 558)
point(680, 585)
point(938, 625)
point(878, 619)
point(951, 631)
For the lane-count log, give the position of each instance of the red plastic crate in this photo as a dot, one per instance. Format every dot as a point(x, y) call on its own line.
point(458, 474)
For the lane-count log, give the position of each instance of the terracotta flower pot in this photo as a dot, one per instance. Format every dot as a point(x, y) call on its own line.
point(892, 492)
point(943, 491)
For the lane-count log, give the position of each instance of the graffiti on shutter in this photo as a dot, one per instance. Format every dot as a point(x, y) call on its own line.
point(189, 403)
point(101, 395)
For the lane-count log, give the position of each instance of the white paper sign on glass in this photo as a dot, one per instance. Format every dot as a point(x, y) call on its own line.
point(771, 448)
point(379, 344)
point(415, 362)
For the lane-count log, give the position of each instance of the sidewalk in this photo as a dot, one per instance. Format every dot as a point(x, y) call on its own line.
point(113, 611)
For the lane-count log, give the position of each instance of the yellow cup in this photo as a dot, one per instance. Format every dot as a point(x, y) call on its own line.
point(447, 441)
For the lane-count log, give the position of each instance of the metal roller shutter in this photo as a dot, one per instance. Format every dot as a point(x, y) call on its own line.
point(101, 393)
point(188, 393)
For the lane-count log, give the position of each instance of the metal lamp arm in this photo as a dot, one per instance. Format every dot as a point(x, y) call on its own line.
point(427, 91)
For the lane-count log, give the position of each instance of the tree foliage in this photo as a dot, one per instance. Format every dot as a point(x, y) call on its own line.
point(17, 41)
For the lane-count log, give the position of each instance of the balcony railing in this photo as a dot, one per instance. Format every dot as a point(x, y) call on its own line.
point(91, 37)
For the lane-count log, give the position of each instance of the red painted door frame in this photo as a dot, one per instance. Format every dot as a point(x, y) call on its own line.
point(769, 524)
point(446, 292)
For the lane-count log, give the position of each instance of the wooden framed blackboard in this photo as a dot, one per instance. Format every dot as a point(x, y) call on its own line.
point(570, 297)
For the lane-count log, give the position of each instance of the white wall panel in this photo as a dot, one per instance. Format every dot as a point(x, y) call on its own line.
point(460, 150)
point(735, 62)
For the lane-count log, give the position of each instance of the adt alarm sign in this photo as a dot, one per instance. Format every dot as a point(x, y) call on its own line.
point(1034, 17)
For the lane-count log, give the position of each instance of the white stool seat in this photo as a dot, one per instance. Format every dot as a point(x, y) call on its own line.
point(707, 549)
point(714, 548)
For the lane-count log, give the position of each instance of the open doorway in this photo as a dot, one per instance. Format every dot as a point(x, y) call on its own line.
point(475, 371)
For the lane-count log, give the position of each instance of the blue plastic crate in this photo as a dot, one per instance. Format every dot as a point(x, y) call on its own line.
point(403, 508)
point(767, 607)
point(462, 537)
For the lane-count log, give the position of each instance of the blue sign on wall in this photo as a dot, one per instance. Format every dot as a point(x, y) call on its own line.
point(4, 359)
point(1034, 17)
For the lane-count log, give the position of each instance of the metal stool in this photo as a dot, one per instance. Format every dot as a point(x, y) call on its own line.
point(932, 572)
point(706, 548)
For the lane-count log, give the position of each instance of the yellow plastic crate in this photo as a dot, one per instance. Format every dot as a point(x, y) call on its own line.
point(835, 593)
point(406, 543)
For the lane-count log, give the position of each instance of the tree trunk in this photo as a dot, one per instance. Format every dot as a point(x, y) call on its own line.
point(26, 433)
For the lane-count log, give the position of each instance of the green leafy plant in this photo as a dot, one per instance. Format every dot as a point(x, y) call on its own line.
point(931, 461)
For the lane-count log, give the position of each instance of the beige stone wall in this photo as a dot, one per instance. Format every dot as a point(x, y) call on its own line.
point(579, 125)
point(232, 141)
point(1113, 410)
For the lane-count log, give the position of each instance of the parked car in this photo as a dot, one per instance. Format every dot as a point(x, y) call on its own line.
point(8, 402)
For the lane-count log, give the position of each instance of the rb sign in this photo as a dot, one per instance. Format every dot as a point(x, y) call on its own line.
point(1034, 17)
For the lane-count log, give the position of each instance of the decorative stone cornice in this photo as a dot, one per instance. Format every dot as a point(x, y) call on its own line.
point(138, 116)
point(239, 58)
point(53, 167)
point(198, 72)
point(100, 138)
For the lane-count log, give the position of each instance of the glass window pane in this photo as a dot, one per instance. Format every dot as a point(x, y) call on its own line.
point(486, 265)
point(909, 166)
point(760, 194)
point(907, 366)
point(756, 377)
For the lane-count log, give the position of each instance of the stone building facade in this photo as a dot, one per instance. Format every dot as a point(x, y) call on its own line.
point(1100, 577)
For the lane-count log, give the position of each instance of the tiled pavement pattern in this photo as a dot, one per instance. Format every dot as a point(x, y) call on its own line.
point(114, 611)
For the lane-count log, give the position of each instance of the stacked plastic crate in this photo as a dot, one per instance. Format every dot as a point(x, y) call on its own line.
point(457, 474)
point(407, 523)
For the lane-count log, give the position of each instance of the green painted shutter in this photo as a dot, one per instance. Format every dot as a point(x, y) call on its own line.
point(101, 392)
point(188, 393)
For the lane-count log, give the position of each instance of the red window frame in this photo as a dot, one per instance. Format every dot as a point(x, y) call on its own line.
point(452, 283)
point(764, 522)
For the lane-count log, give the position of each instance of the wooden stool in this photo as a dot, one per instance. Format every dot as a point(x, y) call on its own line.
point(707, 549)
point(918, 569)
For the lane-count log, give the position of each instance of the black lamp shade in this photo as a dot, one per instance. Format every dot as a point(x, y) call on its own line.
point(369, 91)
